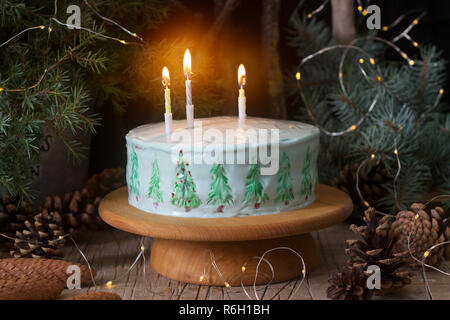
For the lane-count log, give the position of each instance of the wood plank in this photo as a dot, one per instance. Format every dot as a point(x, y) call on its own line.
point(111, 253)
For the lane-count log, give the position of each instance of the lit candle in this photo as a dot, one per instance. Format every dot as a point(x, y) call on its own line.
point(242, 80)
point(189, 105)
point(168, 113)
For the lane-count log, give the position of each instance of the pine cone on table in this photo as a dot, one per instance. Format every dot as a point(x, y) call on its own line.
point(425, 228)
point(40, 238)
point(100, 184)
point(37, 279)
point(349, 284)
point(79, 209)
point(372, 177)
point(376, 248)
point(13, 214)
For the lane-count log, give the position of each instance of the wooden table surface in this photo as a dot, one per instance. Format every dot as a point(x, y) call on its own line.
point(112, 252)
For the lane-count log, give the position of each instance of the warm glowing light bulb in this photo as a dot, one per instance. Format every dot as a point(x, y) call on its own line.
point(226, 284)
point(50, 29)
point(440, 91)
point(165, 77)
point(426, 253)
point(42, 27)
point(385, 28)
point(360, 8)
point(122, 41)
point(1, 89)
point(303, 271)
point(372, 155)
point(297, 76)
point(395, 151)
point(372, 60)
point(243, 268)
point(415, 44)
point(366, 204)
point(364, 13)
point(242, 76)
point(340, 75)
point(412, 62)
point(416, 216)
point(60, 237)
point(378, 78)
point(142, 248)
point(134, 34)
point(309, 15)
point(202, 277)
point(109, 284)
point(416, 21)
point(353, 127)
point(404, 55)
point(361, 60)
point(187, 64)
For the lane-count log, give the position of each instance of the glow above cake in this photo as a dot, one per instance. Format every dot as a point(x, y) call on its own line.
point(222, 167)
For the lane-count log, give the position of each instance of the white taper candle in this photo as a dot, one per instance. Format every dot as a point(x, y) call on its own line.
point(167, 102)
point(168, 121)
point(189, 106)
point(242, 81)
point(242, 105)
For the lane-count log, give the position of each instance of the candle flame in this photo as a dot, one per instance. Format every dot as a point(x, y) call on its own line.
point(165, 77)
point(187, 63)
point(242, 76)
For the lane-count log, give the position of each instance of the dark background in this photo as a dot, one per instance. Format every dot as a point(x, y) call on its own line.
point(241, 39)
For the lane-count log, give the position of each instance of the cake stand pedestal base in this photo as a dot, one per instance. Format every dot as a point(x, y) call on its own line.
point(182, 247)
point(187, 261)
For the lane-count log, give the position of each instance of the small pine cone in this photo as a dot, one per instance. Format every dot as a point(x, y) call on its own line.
point(371, 180)
point(13, 214)
point(78, 211)
point(349, 284)
point(100, 184)
point(424, 228)
point(40, 238)
point(375, 248)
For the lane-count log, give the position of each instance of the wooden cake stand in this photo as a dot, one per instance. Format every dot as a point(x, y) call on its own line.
point(182, 246)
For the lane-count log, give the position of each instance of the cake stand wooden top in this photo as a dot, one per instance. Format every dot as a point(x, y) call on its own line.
point(331, 206)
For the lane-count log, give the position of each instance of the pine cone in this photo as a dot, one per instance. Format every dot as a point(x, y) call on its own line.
point(350, 284)
point(371, 180)
point(40, 239)
point(77, 210)
point(13, 214)
point(425, 227)
point(37, 279)
point(377, 249)
point(47, 269)
point(100, 184)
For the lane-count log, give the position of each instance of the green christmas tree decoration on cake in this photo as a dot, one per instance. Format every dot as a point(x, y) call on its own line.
point(184, 191)
point(153, 191)
point(220, 193)
point(306, 189)
point(134, 178)
point(254, 192)
point(285, 190)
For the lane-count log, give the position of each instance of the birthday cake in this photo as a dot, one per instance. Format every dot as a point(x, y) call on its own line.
point(222, 167)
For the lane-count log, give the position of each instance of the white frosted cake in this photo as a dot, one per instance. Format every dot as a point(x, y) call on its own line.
point(222, 167)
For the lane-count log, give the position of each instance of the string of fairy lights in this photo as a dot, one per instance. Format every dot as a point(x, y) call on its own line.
point(49, 29)
point(404, 34)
